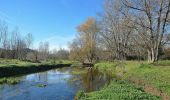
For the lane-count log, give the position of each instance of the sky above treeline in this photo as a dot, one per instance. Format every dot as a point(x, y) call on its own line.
point(54, 21)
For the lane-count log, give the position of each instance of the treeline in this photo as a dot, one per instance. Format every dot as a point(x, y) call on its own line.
point(15, 46)
point(12, 44)
point(125, 30)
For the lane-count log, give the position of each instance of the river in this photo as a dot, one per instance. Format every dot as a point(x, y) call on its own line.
point(56, 84)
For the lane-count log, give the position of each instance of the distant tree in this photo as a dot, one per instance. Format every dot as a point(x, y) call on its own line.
point(43, 51)
point(62, 54)
point(4, 42)
point(15, 41)
point(29, 40)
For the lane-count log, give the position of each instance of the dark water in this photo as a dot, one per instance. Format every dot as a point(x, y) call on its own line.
point(58, 84)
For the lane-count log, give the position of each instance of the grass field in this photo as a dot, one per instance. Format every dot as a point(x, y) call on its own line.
point(152, 78)
point(13, 67)
point(118, 90)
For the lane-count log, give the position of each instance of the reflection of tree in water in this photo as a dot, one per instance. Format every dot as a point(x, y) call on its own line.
point(1, 92)
point(90, 81)
point(93, 80)
point(42, 77)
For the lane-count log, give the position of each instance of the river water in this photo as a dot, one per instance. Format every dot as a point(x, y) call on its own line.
point(56, 84)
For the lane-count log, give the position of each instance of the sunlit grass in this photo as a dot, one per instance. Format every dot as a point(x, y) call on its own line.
point(13, 67)
point(155, 74)
point(118, 90)
point(10, 80)
point(158, 76)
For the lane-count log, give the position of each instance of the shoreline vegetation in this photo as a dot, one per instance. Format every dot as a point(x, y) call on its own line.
point(12, 67)
point(133, 80)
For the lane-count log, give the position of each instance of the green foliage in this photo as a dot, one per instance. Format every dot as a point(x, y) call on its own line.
point(12, 67)
point(118, 90)
point(14, 62)
point(106, 67)
point(41, 85)
point(79, 95)
point(54, 61)
point(156, 75)
point(10, 80)
point(145, 66)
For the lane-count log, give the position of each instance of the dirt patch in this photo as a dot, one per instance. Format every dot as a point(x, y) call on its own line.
point(149, 88)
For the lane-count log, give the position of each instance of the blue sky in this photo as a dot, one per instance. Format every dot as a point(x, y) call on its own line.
point(54, 21)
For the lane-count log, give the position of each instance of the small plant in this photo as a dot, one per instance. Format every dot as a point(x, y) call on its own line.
point(41, 85)
point(118, 90)
point(79, 95)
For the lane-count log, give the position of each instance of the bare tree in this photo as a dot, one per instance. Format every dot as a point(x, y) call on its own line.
point(76, 52)
point(114, 31)
point(15, 39)
point(151, 16)
point(29, 40)
point(4, 39)
point(43, 51)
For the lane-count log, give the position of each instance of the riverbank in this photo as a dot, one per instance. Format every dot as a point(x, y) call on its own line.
point(12, 67)
point(153, 79)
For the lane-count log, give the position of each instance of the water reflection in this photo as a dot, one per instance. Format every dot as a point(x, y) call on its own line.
point(58, 85)
point(92, 80)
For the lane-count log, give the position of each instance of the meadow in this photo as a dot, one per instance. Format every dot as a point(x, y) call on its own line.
point(141, 80)
point(13, 67)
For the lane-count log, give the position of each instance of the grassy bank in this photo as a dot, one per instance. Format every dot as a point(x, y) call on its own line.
point(153, 78)
point(118, 90)
point(12, 67)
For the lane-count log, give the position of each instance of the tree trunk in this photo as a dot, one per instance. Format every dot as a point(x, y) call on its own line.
point(152, 55)
point(156, 53)
point(149, 56)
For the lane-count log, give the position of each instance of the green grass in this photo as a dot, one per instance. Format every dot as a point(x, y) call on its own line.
point(10, 80)
point(13, 67)
point(41, 85)
point(60, 62)
point(106, 67)
point(155, 75)
point(14, 62)
point(118, 91)
point(162, 63)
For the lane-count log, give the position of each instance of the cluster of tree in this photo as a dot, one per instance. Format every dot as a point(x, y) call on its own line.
point(12, 44)
point(15, 46)
point(61, 54)
point(42, 53)
point(126, 29)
